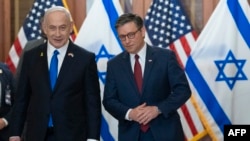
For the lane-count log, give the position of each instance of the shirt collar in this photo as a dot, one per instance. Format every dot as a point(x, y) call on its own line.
point(62, 50)
point(141, 53)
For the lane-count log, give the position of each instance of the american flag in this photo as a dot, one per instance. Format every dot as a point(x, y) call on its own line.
point(30, 29)
point(168, 27)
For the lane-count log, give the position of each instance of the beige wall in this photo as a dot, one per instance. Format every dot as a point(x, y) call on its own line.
point(4, 28)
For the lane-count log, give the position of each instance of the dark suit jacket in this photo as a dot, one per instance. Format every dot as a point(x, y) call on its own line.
point(7, 98)
point(164, 85)
point(74, 104)
point(30, 44)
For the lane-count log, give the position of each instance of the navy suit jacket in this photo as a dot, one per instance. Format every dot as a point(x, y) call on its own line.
point(164, 85)
point(74, 103)
point(7, 98)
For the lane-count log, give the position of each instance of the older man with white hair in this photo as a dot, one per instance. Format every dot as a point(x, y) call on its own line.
point(58, 93)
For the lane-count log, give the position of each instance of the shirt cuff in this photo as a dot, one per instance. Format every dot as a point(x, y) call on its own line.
point(159, 111)
point(5, 121)
point(126, 116)
point(92, 140)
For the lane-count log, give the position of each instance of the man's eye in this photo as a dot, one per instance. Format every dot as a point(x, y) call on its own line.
point(63, 28)
point(52, 28)
point(122, 36)
point(131, 35)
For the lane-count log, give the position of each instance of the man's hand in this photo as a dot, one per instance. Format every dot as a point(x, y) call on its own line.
point(15, 138)
point(148, 113)
point(2, 123)
point(137, 112)
point(143, 114)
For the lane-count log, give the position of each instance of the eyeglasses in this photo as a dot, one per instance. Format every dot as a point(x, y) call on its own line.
point(130, 35)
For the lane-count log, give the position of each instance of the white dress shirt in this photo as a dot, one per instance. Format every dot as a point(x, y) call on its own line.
point(62, 51)
point(142, 58)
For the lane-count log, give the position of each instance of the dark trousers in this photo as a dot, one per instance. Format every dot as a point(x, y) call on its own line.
point(50, 136)
point(146, 136)
point(4, 134)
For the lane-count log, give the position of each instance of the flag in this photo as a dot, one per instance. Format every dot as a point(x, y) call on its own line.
point(30, 29)
point(219, 67)
point(168, 27)
point(98, 35)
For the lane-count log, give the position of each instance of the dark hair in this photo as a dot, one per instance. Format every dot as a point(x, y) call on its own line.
point(129, 17)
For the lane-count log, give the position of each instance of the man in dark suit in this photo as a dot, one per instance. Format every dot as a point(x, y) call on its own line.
point(29, 45)
point(6, 100)
point(144, 87)
point(71, 109)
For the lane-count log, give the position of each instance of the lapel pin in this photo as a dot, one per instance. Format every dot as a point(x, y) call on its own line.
point(150, 60)
point(71, 55)
point(1, 71)
point(41, 54)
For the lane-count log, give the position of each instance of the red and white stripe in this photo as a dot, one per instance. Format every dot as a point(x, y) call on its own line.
point(189, 117)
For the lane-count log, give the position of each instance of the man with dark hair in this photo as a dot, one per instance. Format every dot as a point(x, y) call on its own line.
point(144, 87)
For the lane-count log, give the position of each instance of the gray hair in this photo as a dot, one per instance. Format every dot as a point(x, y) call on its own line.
point(58, 8)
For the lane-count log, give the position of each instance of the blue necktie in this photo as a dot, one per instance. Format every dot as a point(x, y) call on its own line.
point(53, 76)
point(53, 69)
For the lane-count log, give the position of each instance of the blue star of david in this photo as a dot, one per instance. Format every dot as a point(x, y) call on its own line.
point(103, 53)
point(239, 75)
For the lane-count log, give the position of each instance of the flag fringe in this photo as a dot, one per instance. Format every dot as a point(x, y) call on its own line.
point(199, 136)
point(203, 119)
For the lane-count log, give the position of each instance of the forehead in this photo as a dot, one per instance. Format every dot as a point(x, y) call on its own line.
point(126, 28)
point(56, 17)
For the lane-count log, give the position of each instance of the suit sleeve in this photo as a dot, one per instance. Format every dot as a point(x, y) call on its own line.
point(93, 100)
point(10, 81)
point(180, 90)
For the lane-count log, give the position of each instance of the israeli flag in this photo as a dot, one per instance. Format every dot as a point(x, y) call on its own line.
point(98, 34)
point(219, 67)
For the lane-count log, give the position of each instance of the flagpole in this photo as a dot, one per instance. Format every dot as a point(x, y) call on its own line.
point(67, 7)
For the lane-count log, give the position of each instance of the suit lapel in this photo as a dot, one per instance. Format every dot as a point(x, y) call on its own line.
point(67, 61)
point(129, 72)
point(149, 61)
point(43, 62)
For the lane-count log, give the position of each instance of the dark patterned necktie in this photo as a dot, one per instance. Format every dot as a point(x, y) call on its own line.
point(138, 73)
point(138, 80)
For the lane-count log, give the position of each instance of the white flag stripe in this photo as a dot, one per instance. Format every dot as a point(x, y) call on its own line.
point(181, 52)
point(15, 57)
point(22, 38)
point(191, 39)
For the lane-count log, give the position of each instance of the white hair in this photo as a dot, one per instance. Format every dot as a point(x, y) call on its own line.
point(58, 8)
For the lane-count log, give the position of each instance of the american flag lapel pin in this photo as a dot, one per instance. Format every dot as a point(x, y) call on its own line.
point(71, 55)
